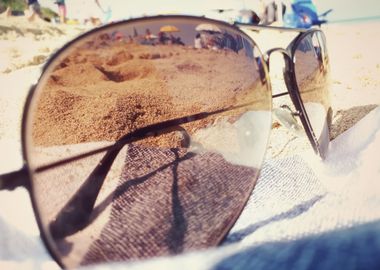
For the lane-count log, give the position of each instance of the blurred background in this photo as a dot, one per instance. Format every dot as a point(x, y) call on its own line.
point(228, 10)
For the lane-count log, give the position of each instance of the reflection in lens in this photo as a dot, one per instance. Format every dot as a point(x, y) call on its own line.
point(312, 75)
point(181, 117)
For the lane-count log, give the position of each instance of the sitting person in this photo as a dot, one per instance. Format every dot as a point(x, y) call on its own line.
point(162, 38)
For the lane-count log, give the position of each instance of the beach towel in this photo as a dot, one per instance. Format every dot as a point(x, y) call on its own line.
point(302, 214)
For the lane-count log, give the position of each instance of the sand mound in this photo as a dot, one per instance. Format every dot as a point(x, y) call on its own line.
point(101, 92)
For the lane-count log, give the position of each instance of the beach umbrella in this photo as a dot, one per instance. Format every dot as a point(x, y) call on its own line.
point(208, 28)
point(169, 28)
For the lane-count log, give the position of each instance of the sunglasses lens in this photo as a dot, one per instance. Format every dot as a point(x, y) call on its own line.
point(145, 138)
point(312, 76)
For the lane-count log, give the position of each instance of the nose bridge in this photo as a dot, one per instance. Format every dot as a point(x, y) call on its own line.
point(282, 51)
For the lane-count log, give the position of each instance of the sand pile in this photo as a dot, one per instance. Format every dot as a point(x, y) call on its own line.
point(102, 92)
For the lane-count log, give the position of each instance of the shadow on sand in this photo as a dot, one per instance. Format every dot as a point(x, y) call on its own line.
point(345, 119)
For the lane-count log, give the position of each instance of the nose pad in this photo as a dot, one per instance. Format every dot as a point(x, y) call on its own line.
point(287, 118)
point(176, 136)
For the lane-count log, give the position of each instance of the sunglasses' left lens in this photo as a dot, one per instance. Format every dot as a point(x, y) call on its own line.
point(311, 64)
point(145, 138)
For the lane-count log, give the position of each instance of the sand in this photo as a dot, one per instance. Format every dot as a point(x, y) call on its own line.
point(99, 94)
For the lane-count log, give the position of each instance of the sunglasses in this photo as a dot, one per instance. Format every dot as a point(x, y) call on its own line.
point(145, 137)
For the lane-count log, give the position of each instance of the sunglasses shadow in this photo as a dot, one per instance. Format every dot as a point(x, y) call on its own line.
point(126, 182)
point(164, 202)
point(124, 187)
point(124, 194)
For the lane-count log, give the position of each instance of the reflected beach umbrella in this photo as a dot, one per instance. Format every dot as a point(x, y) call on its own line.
point(208, 28)
point(169, 28)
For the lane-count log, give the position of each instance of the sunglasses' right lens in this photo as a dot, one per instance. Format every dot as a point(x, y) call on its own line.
point(312, 76)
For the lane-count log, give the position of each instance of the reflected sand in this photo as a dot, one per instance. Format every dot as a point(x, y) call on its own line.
point(94, 101)
point(313, 77)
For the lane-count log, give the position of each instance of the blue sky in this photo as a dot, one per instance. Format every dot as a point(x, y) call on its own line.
point(343, 9)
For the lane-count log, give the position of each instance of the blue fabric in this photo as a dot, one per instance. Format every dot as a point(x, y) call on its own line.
point(352, 248)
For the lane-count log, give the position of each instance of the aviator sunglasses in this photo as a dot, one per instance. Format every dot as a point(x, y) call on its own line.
point(145, 137)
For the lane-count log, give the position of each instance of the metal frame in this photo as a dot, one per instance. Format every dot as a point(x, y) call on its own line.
point(23, 176)
point(290, 76)
point(291, 83)
point(292, 87)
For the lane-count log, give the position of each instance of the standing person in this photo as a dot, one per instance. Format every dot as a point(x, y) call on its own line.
point(62, 11)
point(273, 11)
point(270, 12)
point(34, 9)
point(198, 41)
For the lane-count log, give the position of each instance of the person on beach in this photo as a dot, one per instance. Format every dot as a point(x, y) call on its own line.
point(177, 40)
point(62, 11)
point(272, 11)
point(34, 9)
point(149, 37)
point(162, 38)
point(198, 41)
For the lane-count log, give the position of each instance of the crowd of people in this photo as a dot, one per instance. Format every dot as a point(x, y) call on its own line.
point(216, 41)
point(203, 40)
point(162, 38)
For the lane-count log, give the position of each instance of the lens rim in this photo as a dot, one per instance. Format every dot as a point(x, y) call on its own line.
point(295, 94)
point(32, 91)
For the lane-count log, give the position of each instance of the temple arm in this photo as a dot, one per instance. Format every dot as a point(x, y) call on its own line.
point(10, 181)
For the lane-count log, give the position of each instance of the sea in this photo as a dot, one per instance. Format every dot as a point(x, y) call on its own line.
point(355, 20)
